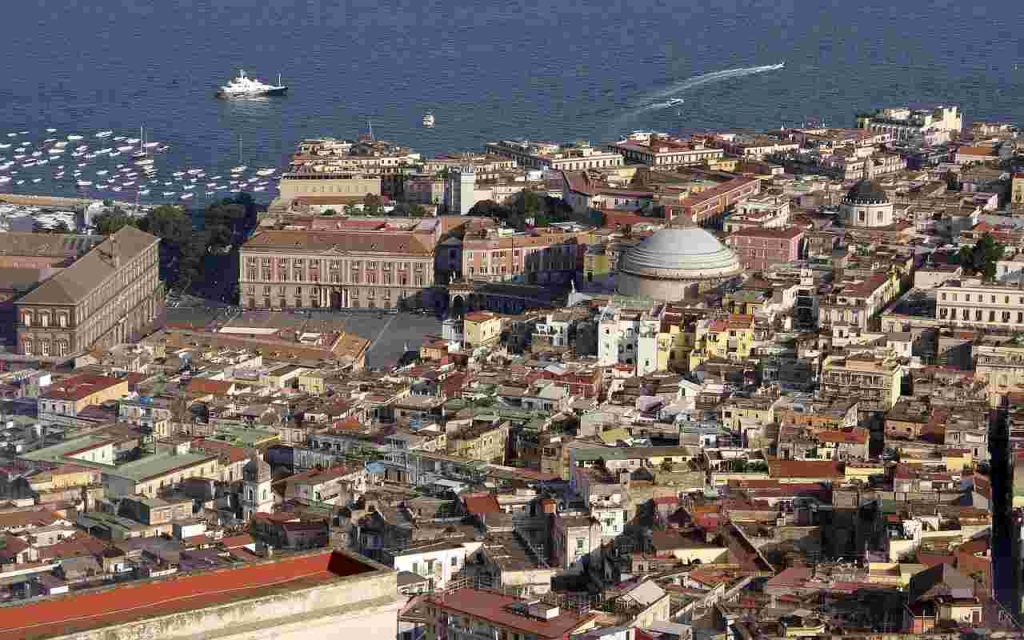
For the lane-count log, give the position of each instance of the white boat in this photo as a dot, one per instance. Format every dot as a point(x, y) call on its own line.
point(36, 180)
point(5, 179)
point(245, 87)
point(266, 172)
point(125, 147)
point(6, 145)
point(84, 183)
point(258, 189)
point(194, 172)
point(104, 134)
point(74, 138)
point(51, 130)
point(20, 182)
point(168, 193)
point(428, 120)
point(151, 145)
point(102, 172)
point(143, 192)
point(186, 196)
point(115, 188)
point(675, 102)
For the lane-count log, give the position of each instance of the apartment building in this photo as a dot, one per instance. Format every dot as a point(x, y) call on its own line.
point(335, 269)
point(628, 337)
point(545, 155)
point(759, 249)
point(873, 383)
point(970, 303)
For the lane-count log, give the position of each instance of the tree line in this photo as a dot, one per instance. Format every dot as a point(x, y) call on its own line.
point(184, 244)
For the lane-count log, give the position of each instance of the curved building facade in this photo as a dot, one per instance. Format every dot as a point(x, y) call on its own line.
point(866, 206)
point(674, 264)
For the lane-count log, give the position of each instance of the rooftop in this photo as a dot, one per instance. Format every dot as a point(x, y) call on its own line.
point(97, 608)
point(498, 610)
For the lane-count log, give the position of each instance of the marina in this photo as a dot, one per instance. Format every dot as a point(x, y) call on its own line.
point(127, 167)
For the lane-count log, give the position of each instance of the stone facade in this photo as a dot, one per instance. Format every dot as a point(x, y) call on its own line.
point(335, 270)
point(111, 295)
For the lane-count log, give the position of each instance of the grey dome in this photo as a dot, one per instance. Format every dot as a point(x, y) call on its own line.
point(685, 253)
point(866, 192)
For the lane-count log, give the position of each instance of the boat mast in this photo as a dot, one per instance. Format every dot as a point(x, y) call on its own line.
point(239, 149)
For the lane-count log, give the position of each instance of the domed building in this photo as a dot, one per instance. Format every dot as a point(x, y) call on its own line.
point(866, 206)
point(675, 263)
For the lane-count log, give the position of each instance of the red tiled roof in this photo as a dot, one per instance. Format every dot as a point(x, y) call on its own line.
point(206, 386)
point(805, 469)
point(97, 608)
point(481, 503)
point(853, 436)
point(79, 387)
point(496, 609)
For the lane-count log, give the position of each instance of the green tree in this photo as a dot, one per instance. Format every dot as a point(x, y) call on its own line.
point(329, 212)
point(373, 205)
point(489, 209)
point(109, 222)
point(982, 257)
point(182, 247)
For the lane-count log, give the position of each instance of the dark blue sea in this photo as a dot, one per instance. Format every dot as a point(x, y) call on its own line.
point(560, 70)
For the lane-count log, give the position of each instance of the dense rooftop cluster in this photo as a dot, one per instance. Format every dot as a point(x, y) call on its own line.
point(752, 385)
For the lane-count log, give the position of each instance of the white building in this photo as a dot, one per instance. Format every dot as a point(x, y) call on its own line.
point(927, 126)
point(628, 337)
point(438, 562)
point(256, 494)
point(971, 303)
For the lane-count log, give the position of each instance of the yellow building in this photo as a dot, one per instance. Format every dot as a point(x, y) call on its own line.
point(674, 347)
point(328, 185)
point(66, 476)
point(482, 440)
point(63, 401)
point(312, 381)
point(1017, 190)
point(481, 328)
point(731, 338)
point(737, 412)
point(874, 384)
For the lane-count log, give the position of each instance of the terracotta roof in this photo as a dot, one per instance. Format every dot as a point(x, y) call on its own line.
point(497, 609)
point(206, 386)
point(481, 503)
point(104, 607)
point(342, 242)
point(78, 387)
point(853, 436)
point(805, 469)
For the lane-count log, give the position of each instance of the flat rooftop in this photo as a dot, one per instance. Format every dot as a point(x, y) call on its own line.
point(158, 464)
point(86, 610)
point(56, 452)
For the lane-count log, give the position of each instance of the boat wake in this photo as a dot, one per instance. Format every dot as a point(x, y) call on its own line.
point(657, 99)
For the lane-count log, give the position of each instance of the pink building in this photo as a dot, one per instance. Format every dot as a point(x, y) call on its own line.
point(758, 249)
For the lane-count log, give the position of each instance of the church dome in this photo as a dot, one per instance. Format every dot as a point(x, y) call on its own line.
point(681, 252)
point(674, 264)
point(866, 192)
